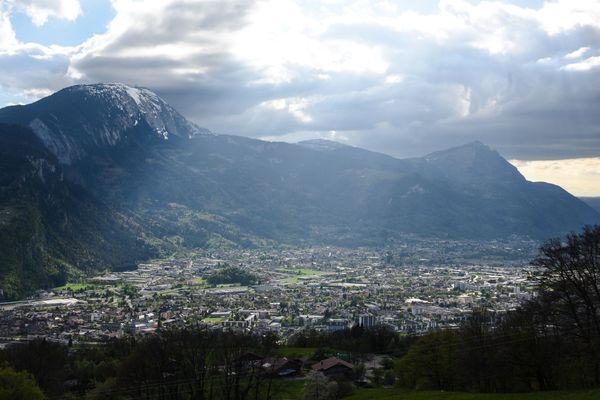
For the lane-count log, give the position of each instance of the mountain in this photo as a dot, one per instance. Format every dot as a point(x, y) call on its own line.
point(470, 165)
point(489, 196)
point(325, 145)
point(52, 229)
point(593, 202)
point(77, 121)
point(169, 183)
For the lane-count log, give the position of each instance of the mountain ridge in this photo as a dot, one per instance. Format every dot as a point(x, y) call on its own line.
point(103, 115)
point(593, 202)
point(195, 189)
point(51, 229)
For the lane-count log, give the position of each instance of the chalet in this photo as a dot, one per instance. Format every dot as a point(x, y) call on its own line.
point(282, 367)
point(333, 366)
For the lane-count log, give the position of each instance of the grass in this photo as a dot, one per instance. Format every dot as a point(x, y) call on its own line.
point(73, 287)
point(169, 292)
point(302, 271)
point(402, 394)
point(296, 352)
point(291, 280)
point(199, 282)
point(294, 390)
point(229, 285)
point(296, 273)
point(213, 320)
point(289, 389)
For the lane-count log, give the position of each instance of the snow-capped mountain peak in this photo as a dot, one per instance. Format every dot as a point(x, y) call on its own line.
point(110, 113)
point(141, 104)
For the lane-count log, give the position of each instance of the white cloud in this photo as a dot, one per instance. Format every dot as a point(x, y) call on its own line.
point(40, 10)
point(171, 38)
point(281, 37)
point(294, 106)
point(7, 36)
point(37, 93)
point(299, 136)
point(394, 78)
point(578, 53)
point(585, 65)
point(565, 15)
point(31, 69)
point(400, 77)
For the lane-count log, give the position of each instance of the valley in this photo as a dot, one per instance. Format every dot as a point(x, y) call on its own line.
point(418, 286)
point(107, 176)
point(299, 200)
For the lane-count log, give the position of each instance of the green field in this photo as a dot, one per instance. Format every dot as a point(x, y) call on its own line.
point(296, 352)
point(289, 389)
point(291, 280)
point(301, 271)
point(294, 389)
point(213, 320)
point(392, 394)
point(296, 273)
point(73, 287)
point(198, 281)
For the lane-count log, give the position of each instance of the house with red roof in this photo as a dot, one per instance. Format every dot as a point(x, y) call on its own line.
point(333, 366)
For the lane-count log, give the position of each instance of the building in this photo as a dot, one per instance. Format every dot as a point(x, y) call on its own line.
point(366, 321)
point(333, 366)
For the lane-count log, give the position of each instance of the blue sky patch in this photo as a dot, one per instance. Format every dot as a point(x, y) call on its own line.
point(94, 19)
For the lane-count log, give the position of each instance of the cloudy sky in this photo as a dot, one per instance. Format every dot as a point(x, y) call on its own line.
point(401, 77)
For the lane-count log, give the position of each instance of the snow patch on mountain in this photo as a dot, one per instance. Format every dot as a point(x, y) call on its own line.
point(134, 93)
point(128, 105)
point(109, 113)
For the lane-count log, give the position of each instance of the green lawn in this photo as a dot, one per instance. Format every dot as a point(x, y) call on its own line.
point(294, 389)
point(289, 389)
point(73, 287)
point(213, 320)
point(389, 394)
point(291, 280)
point(198, 281)
point(301, 271)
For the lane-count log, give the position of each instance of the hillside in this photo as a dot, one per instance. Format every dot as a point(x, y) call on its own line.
point(593, 202)
point(51, 229)
point(389, 394)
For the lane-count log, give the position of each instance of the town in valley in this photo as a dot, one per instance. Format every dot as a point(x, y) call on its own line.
point(412, 287)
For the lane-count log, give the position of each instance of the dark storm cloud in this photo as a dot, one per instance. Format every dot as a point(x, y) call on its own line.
point(380, 75)
point(33, 69)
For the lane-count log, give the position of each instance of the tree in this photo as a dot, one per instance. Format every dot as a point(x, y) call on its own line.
point(18, 386)
point(229, 275)
point(46, 361)
point(318, 387)
point(430, 362)
point(569, 285)
point(359, 371)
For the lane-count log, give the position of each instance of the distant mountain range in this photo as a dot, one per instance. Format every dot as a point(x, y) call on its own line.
point(102, 176)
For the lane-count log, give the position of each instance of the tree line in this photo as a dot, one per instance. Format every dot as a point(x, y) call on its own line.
point(194, 364)
point(550, 342)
